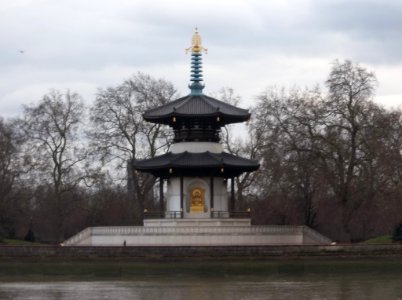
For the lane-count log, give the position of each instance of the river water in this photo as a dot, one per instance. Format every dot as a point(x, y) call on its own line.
point(368, 282)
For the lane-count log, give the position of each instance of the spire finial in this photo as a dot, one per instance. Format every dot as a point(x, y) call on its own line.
point(196, 46)
point(196, 85)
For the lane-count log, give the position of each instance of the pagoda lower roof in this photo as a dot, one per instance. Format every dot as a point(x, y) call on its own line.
point(196, 164)
point(193, 106)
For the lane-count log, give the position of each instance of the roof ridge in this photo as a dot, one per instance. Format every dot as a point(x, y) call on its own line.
point(177, 156)
point(208, 102)
point(214, 156)
point(184, 99)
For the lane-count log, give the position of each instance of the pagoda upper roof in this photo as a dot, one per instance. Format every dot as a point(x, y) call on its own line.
point(196, 164)
point(195, 106)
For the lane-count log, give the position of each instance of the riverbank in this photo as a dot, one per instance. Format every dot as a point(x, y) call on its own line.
point(80, 270)
point(193, 253)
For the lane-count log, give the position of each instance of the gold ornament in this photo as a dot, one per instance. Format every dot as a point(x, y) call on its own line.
point(196, 44)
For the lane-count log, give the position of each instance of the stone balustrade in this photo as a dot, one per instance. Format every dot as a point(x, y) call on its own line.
point(194, 235)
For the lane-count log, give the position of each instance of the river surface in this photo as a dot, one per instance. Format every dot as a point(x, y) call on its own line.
point(258, 282)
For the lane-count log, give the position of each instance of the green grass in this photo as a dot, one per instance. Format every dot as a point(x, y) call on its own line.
point(385, 239)
point(13, 242)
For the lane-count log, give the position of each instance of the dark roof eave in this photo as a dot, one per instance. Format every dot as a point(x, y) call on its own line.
point(187, 172)
point(190, 167)
point(224, 118)
point(206, 161)
point(191, 106)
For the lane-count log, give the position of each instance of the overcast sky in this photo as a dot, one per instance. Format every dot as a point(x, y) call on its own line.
point(83, 45)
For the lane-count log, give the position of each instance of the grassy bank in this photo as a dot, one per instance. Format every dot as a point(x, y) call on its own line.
point(385, 239)
point(121, 270)
point(12, 242)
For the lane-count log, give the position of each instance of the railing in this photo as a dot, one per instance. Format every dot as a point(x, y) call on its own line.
point(129, 230)
point(179, 214)
point(231, 214)
point(193, 133)
point(198, 230)
point(154, 215)
point(163, 215)
point(219, 214)
point(240, 214)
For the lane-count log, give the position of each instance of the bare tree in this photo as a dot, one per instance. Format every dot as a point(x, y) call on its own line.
point(120, 135)
point(318, 143)
point(378, 182)
point(285, 120)
point(10, 168)
point(8, 149)
point(246, 144)
point(351, 88)
point(55, 151)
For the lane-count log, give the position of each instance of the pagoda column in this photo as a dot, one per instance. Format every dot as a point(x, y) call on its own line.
point(232, 194)
point(181, 194)
point(161, 204)
point(211, 189)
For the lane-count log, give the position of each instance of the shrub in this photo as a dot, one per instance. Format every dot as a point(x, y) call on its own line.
point(30, 236)
point(397, 235)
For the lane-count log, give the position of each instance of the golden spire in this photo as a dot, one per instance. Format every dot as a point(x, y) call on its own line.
point(196, 43)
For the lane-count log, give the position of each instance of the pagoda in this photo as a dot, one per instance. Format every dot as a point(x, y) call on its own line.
point(196, 209)
point(196, 169)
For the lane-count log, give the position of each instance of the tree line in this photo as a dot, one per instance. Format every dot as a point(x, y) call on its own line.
point(330, 159)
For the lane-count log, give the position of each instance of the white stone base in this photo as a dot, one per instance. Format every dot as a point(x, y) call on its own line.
point(197, 233)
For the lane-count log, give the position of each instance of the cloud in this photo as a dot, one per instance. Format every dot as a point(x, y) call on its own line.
point(373, 27)
point(85, 45)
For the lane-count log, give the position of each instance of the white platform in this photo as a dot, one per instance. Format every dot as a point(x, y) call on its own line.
point(217, 232)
